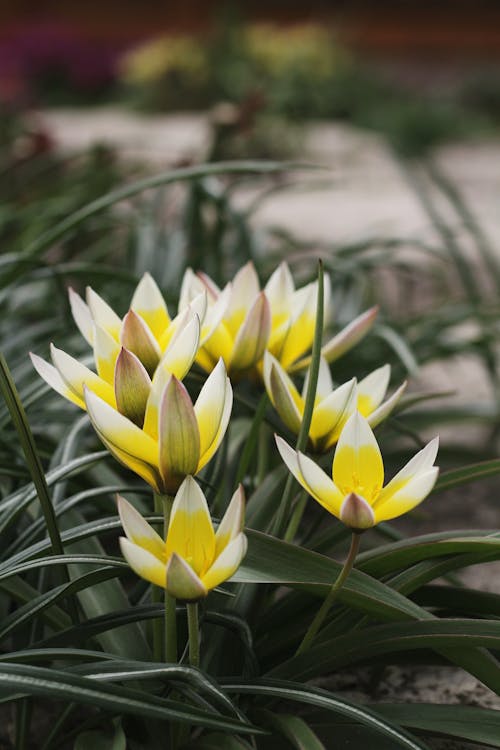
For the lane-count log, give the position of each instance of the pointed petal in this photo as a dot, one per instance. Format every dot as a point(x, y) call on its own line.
point(312, 478)
point(372, 389)
point(232, 522)
point(182, 349)
point(244, 289)
point(214, 316)
point(350, 335)
point(148, 302)
point(182, 582)
point(219, 345)
point(152, 417)
point(357, 465)
point(136, 336)
point(143, 563)
point(300, 335)
point(81, 315)
point(103, 315)
point(213, 409)
point(51, 376)
point(285, 397)
point(252, 337)
point(106, 351)
point(420, 463)
point(149, 473)
point(132, 387)
point(325, 382)
point(383, 411)
point(226, 564)
point(76, 376)
point(356, 513)
point(190, 532)
point(139, 531)
point(407, 497)
point(279, 291)
point(179, 436)
point(331, 414)
point(119, 431)
point(192, 285)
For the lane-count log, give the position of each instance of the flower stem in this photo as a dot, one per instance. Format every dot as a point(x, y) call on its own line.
point(156, 597)
point(284, 508)
point(331, 596)
point(170, 629)
point(194, 634)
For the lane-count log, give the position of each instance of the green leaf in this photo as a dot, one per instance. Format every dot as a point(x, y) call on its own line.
point(53, 683)
point(464, 722)
point(374, 642)
point(293, 728)
point(101, 740)
point(465, 474)
point(292, 691)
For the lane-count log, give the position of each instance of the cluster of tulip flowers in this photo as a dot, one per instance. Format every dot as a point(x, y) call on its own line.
point(144, 415)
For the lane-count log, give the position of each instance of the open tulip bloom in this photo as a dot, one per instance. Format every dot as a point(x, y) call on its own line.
point(332, 407)
point(356, 494)
point(193, 559)
point(279, 318)
point(174, 438)
point(131, 350)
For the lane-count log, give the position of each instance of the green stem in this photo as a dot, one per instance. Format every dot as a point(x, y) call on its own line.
point(296, 518)
point(156, 598)
point(170, 629)
point(194, 634)
point(284, 509)
point(331, 596)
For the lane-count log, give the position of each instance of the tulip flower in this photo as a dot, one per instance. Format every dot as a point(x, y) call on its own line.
point(356, 494)
point(176, 438)
point(193, 559)
point(132, 349)
point(241, 337)
point(280, 318)
point(332, 406)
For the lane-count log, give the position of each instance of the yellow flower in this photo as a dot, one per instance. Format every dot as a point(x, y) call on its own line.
point(242, 335)
point(280, 318)
point(332, 406)
point(133, 349)
point(356, 495)
point(194, 558)
point(177, 438)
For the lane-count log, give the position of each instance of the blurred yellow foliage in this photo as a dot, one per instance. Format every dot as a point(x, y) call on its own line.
point(157, 58)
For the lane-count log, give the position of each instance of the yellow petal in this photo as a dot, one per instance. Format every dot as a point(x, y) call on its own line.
point(279, 291)
point(219, 345)
point(226, 563)
point(182, 582)
point(179, 436)
point(106, 351)
point(331, 414)
point(82, 316)
point(148, 302)
point(232, 522)
point(312, 478)
point(52, 377)
point(214, 316)
point(252, 337)
point(383, 411)
point(183, 348)
point(77, 376)
point(421, 463)
point(103, 315)
point(139, 531)
point(132, 387)
point(143, 563)
point(408, 497)
point(301, 332)
point(149, 473)
point(120, 431)
point(372, 389)
point(357, 465)
point(136, 336)
point(244, 289)
point(213, 410)
point(190, 532)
